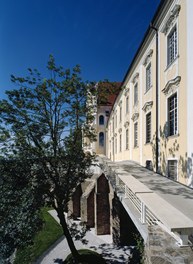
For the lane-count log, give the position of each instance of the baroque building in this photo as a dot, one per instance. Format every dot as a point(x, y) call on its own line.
point(151, 120)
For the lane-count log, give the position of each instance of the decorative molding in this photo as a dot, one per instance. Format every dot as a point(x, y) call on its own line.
point(120, 103)
point(148, 57)
point(147, 106)
point(135, 116)
point(126, 124)
point(172, 19)
point(135, 77)
point(120, 130)
point(172, 86)
point(115, 135)
point(126, 91)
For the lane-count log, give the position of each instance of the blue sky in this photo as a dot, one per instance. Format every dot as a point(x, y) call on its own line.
point(102, 36)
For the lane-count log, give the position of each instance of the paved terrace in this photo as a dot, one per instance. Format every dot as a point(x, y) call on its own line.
point(150, 198)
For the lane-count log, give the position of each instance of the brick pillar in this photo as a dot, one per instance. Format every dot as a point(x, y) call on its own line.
point(102, 206)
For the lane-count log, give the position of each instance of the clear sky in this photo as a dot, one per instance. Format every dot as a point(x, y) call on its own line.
point(100, 35)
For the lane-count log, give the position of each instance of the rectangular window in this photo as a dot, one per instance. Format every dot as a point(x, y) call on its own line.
point(120, 113)
point(115, 145)
point(172, 169)
point(148, 77)
point(120, 146)
point(135, 135)
point(172, 115)
point(127, 105)
point(148, 127)
point(136, 94)
point(127, 139)
point(172, 45)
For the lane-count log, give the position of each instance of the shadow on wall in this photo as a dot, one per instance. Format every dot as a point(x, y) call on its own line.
point(168, 151)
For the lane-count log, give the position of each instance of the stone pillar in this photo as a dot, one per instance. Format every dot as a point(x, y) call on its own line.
point(76, 201)
point(124, 231)
point(116, 220)
point(90, 209)
point(102, 206)
point(87, 205)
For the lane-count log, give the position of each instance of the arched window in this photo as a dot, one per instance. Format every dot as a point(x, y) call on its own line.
point(101, 139)
point(101, 120)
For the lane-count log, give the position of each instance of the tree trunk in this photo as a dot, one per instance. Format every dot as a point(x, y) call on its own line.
point(67, 234)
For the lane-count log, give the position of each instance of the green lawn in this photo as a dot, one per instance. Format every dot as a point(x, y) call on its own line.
point(51, 231)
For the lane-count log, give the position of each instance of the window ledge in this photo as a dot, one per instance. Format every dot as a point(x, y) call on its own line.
point(147, 143)
point(169, 65)
point(146, 91)
point(136, 147)
point(173, 136)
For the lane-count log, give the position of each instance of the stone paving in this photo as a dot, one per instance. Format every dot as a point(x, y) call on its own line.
point(102, 244)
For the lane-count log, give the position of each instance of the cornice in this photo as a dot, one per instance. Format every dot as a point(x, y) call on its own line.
point(172, 86)
point(135, 116)
point(126, 91)
point(147, 106)
point(126, 124)
point(148, 57)
point(135, 77)
point(172, 19)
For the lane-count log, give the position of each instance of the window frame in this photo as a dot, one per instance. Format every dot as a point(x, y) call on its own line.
point(148, 77)
point(120, 143)
point(127, 104)
point(127, 139)
point(103, 120)
point(135, 134)
point(172, 122)
point(175, 177)
point(101, 143)
point(136, 94)
point(148, 128)
point(172, 45)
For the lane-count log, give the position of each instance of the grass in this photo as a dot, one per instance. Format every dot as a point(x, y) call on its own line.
point(87, 257)
point(51, 231)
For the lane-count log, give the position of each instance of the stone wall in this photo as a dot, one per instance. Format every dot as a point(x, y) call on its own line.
point(161, 248)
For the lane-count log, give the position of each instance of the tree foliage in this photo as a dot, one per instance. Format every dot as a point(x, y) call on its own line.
point(41, 127)
point(19, 208)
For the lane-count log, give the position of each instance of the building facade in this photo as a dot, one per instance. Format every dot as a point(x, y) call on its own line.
point(151, 121)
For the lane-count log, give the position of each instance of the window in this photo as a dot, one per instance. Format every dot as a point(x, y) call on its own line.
point(149, 165)
point(172, 169)
point(135, 135)
point(127, 138)
point(116, 121)
point(101, 139)
point(115, 145)
point(172, 115)
point(127, 105)
point(101, 120)
point(148, 127)
point(120, 141)
point(120, 113)
point(172, 45)
point(136, 94)
point(148, 77)
point(107, 113)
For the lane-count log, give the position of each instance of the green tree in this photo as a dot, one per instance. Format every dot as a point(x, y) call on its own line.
point(42, 125)
point(19, 207)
